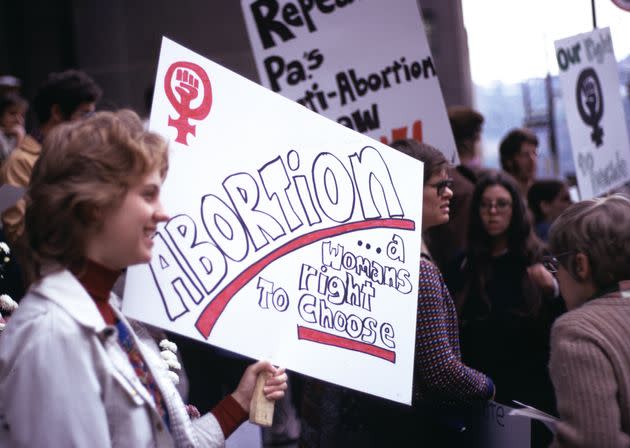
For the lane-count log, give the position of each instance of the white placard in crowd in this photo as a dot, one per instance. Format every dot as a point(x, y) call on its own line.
point(590, 88)
point(291, 238)
point(365, 64)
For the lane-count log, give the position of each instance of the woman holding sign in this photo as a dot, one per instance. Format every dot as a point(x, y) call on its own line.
point(444, 387)
point(72, 370)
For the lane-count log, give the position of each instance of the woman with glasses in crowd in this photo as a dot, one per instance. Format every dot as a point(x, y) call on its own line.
point(443, 386)
point(506, 299)
point(445, 389)
point(590, 348)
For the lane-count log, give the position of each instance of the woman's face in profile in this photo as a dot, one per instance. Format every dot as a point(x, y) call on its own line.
point(126, 237)
point(495, 210)
point(436, 200)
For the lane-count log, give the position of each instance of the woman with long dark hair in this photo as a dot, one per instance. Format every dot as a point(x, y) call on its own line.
point(504, 296)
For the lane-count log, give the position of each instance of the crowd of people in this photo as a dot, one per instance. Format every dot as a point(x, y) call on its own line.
point(522, 296)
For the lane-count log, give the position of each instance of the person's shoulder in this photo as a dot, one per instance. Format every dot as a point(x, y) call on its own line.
point(16, 168)
point(585, 321)
point(601, 314)
point(429, 271)
point(571, 318)
point(39, 320)
point(428, 266)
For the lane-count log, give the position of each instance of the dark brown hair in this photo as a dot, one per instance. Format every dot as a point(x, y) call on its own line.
point(433, 160)
point(68, 89)
point(466, 126)
point(511, 145)
point(543, 190)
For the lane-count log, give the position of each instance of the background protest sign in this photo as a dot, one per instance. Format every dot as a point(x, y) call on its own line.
point(359, 63)
point(291, 238)
point(590, 90)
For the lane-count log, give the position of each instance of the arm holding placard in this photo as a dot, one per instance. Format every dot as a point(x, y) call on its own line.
point(233, 410)
point(442, 374)
point(260, 386)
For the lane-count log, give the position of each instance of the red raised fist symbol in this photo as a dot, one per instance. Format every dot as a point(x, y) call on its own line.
point(187, 77)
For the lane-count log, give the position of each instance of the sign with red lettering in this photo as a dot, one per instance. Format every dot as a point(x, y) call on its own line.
point(364, 64)
point(291, 238)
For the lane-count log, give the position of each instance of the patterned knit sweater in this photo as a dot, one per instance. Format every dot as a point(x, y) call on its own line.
point(590, 370)
point(440, 375)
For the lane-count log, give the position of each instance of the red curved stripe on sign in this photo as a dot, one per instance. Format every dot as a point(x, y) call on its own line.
point(321, 337)
point(212, 312)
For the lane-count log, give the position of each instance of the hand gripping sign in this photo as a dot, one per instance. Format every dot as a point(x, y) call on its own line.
point(187, 86)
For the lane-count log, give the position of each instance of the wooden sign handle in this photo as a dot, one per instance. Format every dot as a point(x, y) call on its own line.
point(261, 409)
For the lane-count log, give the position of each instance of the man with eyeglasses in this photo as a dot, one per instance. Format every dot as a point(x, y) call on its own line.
point(65, 96)
point(519, 157)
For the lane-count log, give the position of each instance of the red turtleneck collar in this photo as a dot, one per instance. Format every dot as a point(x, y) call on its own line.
point(98, 281)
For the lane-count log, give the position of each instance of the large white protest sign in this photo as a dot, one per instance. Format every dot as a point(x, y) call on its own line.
point(291, 238)
point(365, 64)
point(590, 89)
